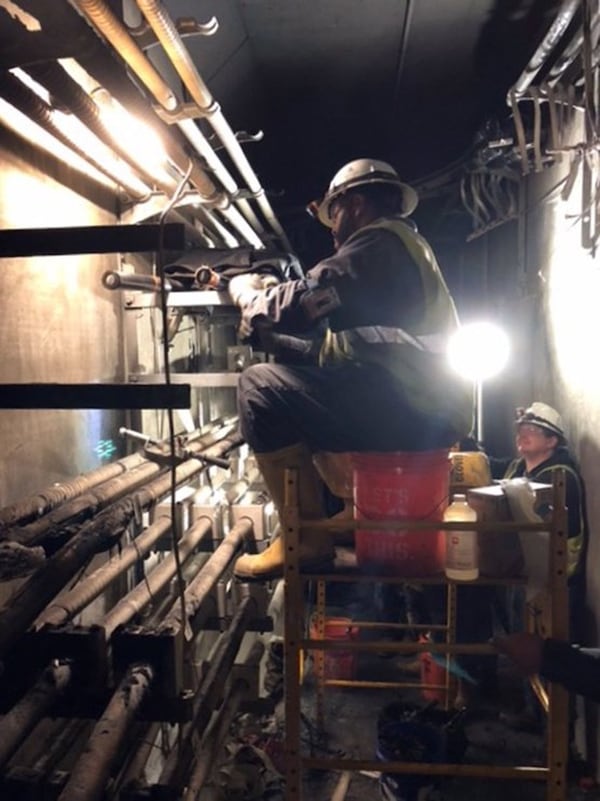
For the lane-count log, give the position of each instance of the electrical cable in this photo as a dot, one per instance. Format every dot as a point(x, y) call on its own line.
point(170, 419)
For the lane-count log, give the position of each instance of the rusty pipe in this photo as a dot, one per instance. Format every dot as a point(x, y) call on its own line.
point(103, 19)
point(205, 757)
point(47, 499)
point(57, 523)
point(95, 536)
point(21, 719)
point(198, 589)
point(90, 774)
point(221, 660)
point(134, 601)
point(65, 606)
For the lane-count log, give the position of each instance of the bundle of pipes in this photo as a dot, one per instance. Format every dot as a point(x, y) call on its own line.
point(140, 657)
point(87, 85)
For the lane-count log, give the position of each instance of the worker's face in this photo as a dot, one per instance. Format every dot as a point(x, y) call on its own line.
point(347, 216)
point(534, 442)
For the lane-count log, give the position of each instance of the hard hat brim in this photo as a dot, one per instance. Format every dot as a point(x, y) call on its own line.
point(322, 207)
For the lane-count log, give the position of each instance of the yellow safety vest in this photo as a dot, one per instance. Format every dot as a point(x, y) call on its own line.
point(415, 354)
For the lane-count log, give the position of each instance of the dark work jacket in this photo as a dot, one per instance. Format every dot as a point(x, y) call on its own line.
point(577, 670)
point(383, 288)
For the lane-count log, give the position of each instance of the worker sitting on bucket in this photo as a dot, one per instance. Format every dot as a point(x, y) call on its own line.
point(382, 381)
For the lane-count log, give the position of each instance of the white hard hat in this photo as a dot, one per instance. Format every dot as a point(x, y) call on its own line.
point(365, 171)
point(544, 416)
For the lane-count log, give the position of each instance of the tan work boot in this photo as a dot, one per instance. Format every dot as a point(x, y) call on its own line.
point(316, 547)
point(336, 471)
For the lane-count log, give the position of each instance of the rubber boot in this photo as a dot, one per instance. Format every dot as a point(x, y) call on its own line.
point(336, 471)
point(316, 547)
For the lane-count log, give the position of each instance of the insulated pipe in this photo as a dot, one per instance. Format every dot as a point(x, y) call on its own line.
point(91, 772)
point(549, 42)
point(144, 592)
point(103, 19)
point(84, 506)
point(21, 719)
point(37, 505)
point(94, 537)
point(27, 102)
point(220, 661)
point(196, 138)
point(168, 36)
point(59, 83)
point(198, 590)
point(67, 605)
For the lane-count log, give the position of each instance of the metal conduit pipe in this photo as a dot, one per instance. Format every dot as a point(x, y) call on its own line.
point(197, 590)
point(21, 719)
point(64, 736)
point(94, 537)
point(145, 743)
point(168, 36)
point(103, 19)
point(144, 592)
point(91, 772)
point(205, 757)
point(28, 103)
point(47, 499)
point(235, 219)
point(84, 506)
point(67, 605)
point(196, 138)
point(559, 26)
point(220, 661)
point(59, 83)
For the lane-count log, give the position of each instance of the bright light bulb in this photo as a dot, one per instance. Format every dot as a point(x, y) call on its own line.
point(478, 351)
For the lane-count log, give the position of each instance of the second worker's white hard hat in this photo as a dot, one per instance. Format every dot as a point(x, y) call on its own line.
point(544, 416)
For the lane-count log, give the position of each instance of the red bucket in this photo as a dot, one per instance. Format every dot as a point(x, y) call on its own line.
point(338, 664)
point(393, 486)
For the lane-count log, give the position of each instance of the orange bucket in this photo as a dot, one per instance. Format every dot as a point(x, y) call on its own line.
point(338, 664)
point(393, 486)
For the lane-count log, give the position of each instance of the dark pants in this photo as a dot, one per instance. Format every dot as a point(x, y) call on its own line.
point(346, 408)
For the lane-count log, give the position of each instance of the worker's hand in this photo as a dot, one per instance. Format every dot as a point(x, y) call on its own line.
point(242, 287)
point(524, 649)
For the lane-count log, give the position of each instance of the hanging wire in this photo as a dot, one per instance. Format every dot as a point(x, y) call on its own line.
point(170, 418)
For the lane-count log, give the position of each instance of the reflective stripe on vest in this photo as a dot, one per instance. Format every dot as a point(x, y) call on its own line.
point(432, 343)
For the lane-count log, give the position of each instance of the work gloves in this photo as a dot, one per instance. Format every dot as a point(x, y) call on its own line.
point(242, 288)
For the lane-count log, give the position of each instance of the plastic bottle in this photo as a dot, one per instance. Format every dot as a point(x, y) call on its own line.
point(462, 551)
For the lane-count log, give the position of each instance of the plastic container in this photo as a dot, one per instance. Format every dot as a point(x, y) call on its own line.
point(462, 549)
point(393, 486)
point(338, 664)
point(432, 673)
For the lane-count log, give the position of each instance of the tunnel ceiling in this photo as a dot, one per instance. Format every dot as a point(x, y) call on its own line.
point(409, 81)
